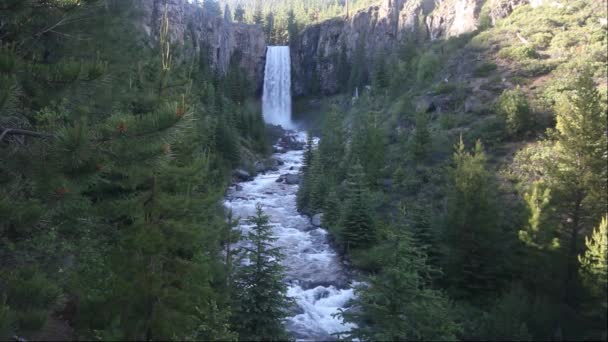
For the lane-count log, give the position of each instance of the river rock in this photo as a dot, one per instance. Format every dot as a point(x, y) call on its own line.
point(317, 220)
point(238, 188)
point(242, 175)
point(292, 179)
point(289, 178)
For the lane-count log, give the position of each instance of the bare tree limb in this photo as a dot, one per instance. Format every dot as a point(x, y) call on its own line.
point(16, 131)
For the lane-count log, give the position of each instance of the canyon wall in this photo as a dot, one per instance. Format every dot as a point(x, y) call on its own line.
point(194, 29)
point(381, 28)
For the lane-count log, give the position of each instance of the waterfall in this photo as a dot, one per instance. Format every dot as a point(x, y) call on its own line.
point(276, 101)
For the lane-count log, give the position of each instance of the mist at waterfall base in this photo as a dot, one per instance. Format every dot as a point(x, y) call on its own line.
point(316, 278)
point(276, 98)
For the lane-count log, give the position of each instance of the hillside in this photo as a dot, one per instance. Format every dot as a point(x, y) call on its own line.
point(468, 135)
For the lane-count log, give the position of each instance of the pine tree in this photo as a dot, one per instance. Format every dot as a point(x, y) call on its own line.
point(594, 273)
point(303, 196)
point(292, 28)
point(239, 14)
point(356, 227)
point(331, 211)
point(422, 137)
point(258, 17)
point(399, 304)
point(331, 147)
point(261, 302)
point(515, 111)
point(227, 14)
point(317, 183)
point(579, 173)
point(269, 27)
point(381, 78)
point(471, 260)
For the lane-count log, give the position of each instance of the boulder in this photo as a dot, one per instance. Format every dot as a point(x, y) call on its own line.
point(317, 220)
point(238, 188)
point(387, 183)
point(260, 167)
point(242, 175)
point(292, 179)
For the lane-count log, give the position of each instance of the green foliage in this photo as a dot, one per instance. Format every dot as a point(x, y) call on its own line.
point(126, 157)
point(513, 106)
point(356, 227)
point(422, 137)
point(594, 264)
point(399, 304)
point(261, 300)
point(427, 66)
point(518, 53)
point(471, 234)
point(30, 293)
point(594, 273)
point(484, 70)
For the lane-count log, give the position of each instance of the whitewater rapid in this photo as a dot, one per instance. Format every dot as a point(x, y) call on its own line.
point(316, 279)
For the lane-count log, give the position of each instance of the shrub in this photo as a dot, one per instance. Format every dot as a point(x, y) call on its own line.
point(484, 70)
point(428, 65)
point(513, 106)
point(32, 320)
point(444, 88)
point(518, 53)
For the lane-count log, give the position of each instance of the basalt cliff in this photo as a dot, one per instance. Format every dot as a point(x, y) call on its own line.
point(195, 30)
point(381, 28)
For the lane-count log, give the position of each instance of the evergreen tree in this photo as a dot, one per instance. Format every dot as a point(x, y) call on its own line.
point(471, 259)
point(381, 78)
point(331, 147)
point(292, 28)
point(261, 303)
point(356, 227)
point(579, 171)
point(399, 304)
point(239, 14)
point(258, 17)
point(331, 211)
point(317, 183)
point(513, 107)
point(269, 27)
point(422, 137)
point(227, 14)
point(594, 273)
point(212, 8)
point(303, 196)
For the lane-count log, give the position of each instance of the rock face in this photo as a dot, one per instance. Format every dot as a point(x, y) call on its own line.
point(317, 220)
point(381, 28)
point(196, 30)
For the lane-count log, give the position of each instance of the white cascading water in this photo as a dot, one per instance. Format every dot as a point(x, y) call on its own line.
point(276, 100)
point(316, 279)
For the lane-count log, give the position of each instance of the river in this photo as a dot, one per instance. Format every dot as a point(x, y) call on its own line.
point(317, 280)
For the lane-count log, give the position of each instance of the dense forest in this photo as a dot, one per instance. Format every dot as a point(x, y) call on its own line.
point(113, 155)
point(464, 221)
point(282, 19)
